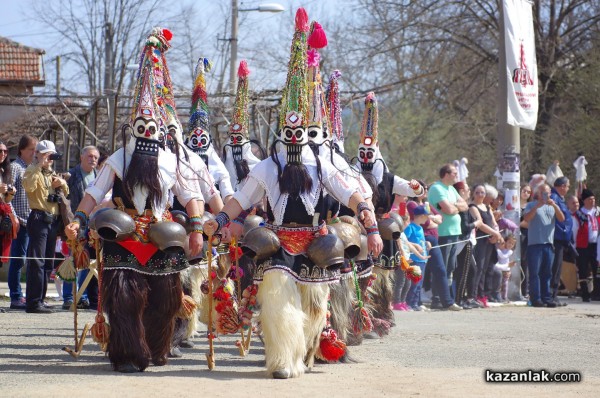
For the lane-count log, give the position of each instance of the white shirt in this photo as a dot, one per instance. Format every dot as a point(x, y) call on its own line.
point(169, 179)
point(229, 164)
point(219, 172)
point(199, 172)
point(353, 176)
point(262, 181)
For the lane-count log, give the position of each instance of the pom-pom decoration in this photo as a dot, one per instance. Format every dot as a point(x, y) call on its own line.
point(414, 273)
point(101, 331)
point(187, 308)
point(331, 348)
point(317, 38)
point(301, 20)
point(66, 270)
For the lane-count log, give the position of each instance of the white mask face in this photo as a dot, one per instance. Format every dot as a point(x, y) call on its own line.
point(198, 140)
point(293, 133)
point(146, 128)
point(237, 139)
point(174, 130)
point(317, 134)
point(366, 154)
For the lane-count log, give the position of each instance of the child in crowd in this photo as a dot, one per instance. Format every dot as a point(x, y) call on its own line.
point(503, 266)
point(414, 233)
point(401, 282)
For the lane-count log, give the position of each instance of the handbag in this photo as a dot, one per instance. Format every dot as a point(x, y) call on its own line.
point(6, 224)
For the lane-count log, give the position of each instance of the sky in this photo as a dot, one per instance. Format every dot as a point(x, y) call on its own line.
point(17, 25)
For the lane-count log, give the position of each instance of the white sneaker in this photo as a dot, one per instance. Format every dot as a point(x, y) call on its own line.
point(454, 307)
point(424, 308)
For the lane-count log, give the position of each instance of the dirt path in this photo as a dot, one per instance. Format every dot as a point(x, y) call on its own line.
point(427, 354)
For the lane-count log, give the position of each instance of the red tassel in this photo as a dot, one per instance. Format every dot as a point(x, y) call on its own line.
point(361, 321)
point(381, 327)
point(235, 253)
point(243, 70)
point(167, 34)
point(317, 38)
point(302, 20)
point(332, 349)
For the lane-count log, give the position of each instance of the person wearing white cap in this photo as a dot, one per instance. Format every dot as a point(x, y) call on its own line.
point(41, 184)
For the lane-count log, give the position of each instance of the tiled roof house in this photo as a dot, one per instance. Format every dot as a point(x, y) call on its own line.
point(21, 67)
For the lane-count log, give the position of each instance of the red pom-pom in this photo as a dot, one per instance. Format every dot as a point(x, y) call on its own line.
point(317, 38)
point(302, 20)
point(167, 34)
point(332, 349)
point(243, 70)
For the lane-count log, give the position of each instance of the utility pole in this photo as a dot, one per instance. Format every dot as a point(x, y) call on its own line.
point(508, 156)
point(109, 90)
point(233, 42)
point(108, 59)
point(58, 75)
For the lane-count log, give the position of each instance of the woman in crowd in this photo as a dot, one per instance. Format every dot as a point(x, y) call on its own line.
point(525, 198)
point(484, 247)
point(465, 262)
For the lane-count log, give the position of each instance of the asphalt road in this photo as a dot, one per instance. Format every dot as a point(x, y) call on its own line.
point(427, 354)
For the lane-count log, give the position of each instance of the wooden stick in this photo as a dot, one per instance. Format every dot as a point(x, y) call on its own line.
point(242, 346)
point(210, 356)
point(78, 342)
point(247, 342)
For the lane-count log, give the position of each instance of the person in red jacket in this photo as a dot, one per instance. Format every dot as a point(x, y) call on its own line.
point(585, 233)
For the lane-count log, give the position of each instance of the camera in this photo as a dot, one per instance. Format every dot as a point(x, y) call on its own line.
point(55, 156)
point(53, 198)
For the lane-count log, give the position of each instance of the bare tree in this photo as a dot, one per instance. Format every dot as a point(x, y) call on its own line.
point(101, 38)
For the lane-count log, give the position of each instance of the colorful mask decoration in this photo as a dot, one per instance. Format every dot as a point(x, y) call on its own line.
point(334, 110)
point(368, 146)
point(318, 121)
point(148, 116)
point(238, 129)
point(198, 139)
point(294, 112)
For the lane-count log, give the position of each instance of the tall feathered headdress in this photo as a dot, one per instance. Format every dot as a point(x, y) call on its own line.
point(148, 115)
point(293, 114)
point(238, 129)
point(368, 145)
point(199, 125)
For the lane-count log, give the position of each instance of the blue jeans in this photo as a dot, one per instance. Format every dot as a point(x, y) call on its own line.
point(67, 287)
point(539, 262)
point(413, 298)
point(449, 256)
point(18, 248)
point(439, 277)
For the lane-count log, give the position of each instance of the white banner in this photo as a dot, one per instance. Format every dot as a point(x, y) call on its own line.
point(521, 64)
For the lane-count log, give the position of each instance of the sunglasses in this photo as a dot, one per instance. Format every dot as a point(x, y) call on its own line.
point(3, 150)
